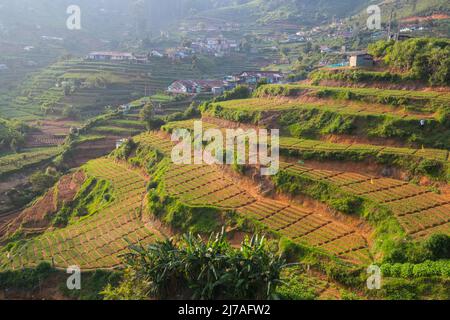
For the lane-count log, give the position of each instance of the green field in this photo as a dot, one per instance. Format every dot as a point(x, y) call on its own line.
point(94, 242)
point(16, 162)
point(420, 101)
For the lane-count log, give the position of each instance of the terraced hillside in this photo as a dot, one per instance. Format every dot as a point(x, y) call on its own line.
point(16, 162)
point(411, 160)
point(420, 211)
point(94, 241)
point(420, 101)
point(206, 186)
point(87, 86)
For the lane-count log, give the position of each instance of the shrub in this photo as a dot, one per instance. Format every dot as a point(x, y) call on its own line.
point(240, 92)
point(201, 269)
point(439, 246)
point(26, 278)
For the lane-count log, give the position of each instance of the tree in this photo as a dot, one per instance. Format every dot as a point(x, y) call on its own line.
point(147, 114)
point(41, 181)
point(70, 112)
point(439, 246)
point(240, 92)
point(308, 47)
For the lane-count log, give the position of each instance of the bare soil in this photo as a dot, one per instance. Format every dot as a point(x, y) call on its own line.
point(37, 217)
point(436, 16)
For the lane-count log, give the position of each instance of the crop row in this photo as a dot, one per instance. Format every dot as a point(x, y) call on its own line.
point(418, 210)
point(98, 241)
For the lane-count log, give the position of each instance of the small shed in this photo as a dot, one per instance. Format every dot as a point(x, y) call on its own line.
point(361, 60)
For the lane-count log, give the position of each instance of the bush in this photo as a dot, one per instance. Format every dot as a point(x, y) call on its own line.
point(26, 278)
point(240, 92)
point(41, 181)
point(201, 269)
point(439, 246)
point(425, 59)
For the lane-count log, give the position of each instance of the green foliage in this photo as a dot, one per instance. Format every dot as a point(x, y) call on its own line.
point(420, 101)
point(27, 278)
point(125, 150)
point(93, 196)
point(144, 157)
point(439, 246)
point(191, 112)
point(147, 114)
point(428, 268)
point(423, 288)
point(240, 92)
point(41, 181)
point(297, 286)
point(201, 269)
point(93, 284)
point(12, 135)
point(357, 76)
point(436, 247)
point(426, 59)
point(313, 121)
point(181, 216)
point(277, 90)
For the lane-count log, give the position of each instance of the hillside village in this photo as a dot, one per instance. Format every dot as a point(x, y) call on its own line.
point(352, 179)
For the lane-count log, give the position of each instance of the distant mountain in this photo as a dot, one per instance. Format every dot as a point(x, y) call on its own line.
point(304, 12)
point(25, 20)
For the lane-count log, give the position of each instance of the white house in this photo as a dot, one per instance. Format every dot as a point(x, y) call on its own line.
point(120, 142)
point(196, 86)
point(158, 54)
point(112, 55)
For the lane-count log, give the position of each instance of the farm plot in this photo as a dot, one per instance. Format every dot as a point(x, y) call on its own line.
point(99, 240)
point(419, 211)
point(156, 140)
point(288, 144)
point(426, 99)
point(265, 104)
point(204, 185)
point(25, 159)
point(310, 228)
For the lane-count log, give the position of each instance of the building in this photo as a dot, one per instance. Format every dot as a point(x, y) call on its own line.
point(361, 60)
point(156, 53)
point(217, 91)
point(196, 86)
point(110, 56)
point(125, 108)
point(399, 37)
point(3, 67)
point(141, 58)
point(120, 142)
point(253, 77)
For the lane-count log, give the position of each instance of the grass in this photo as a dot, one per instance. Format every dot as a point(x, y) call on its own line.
point(17, 162)
point(205, 186)
point(315, 120)
point(94, 85)
point(421, 101)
